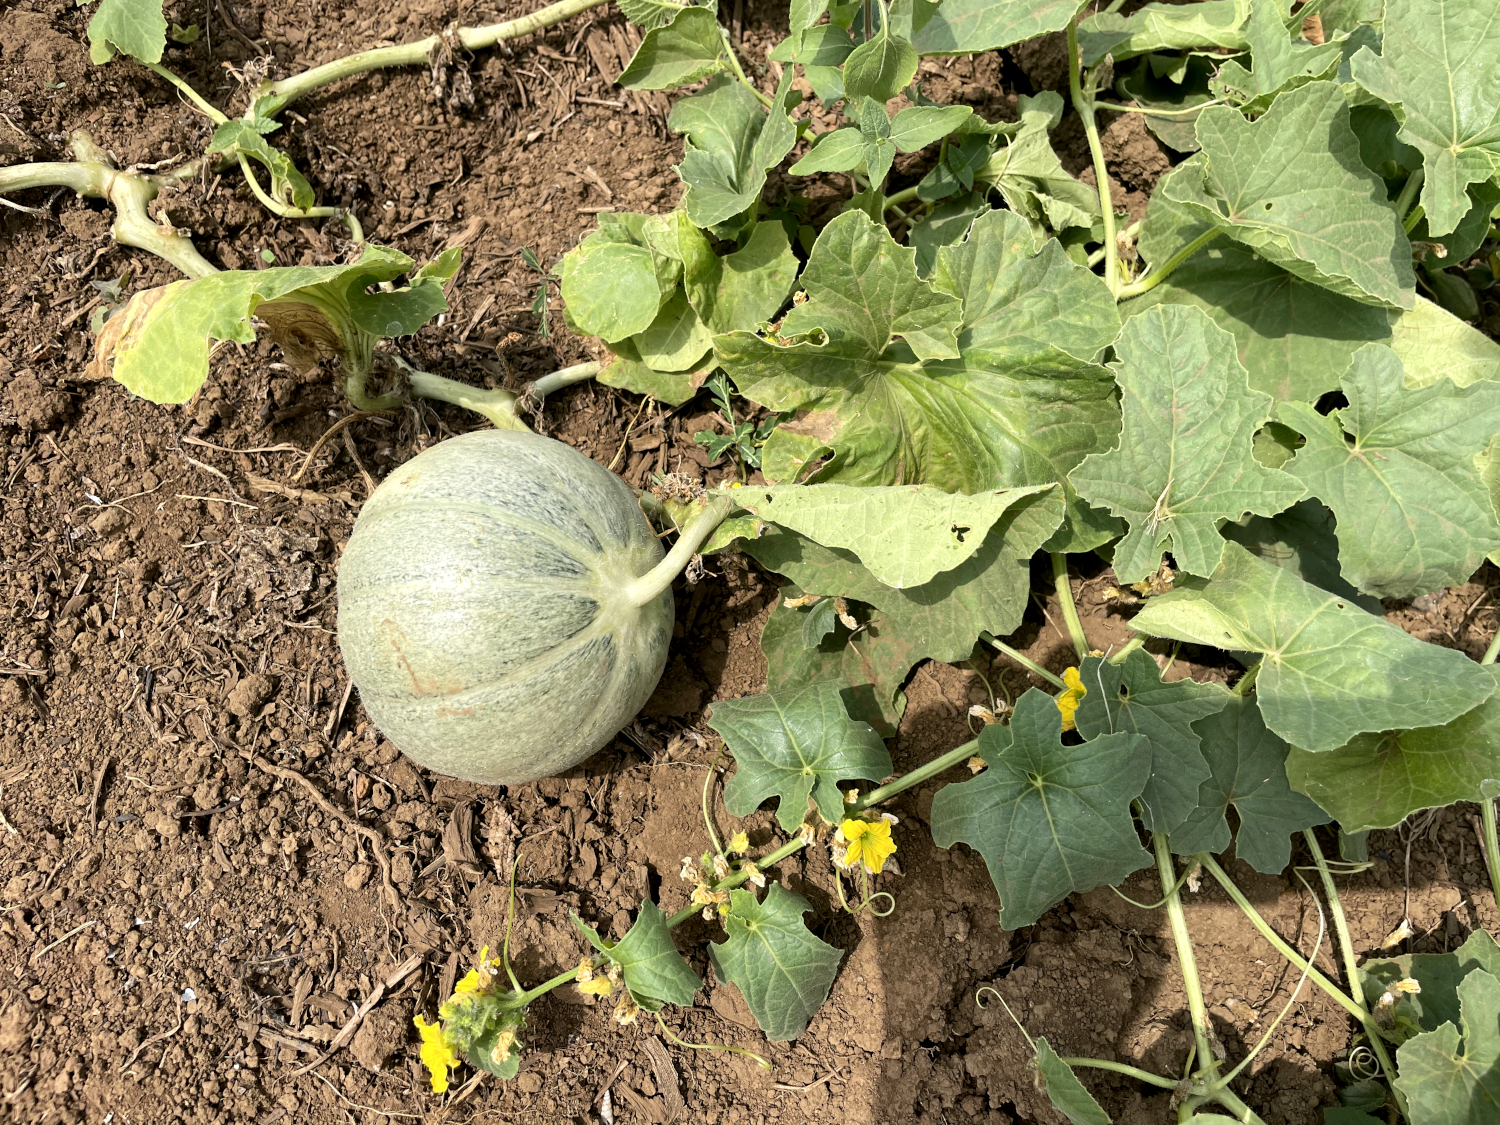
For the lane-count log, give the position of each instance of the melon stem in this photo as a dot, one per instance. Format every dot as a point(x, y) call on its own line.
point(649, 586)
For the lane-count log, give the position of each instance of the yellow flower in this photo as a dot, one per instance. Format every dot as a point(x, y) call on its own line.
point(478, 978)
point(869, 843)
point(739, 844)
point(1068, 701)
point(437, 1053)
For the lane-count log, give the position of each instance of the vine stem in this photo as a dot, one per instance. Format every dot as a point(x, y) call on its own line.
point(1346, 948)
point(938, 765)
point(1186, 962)
point(1084, 106)
point(498, 405)
point(791, 847)
point(1244, 683)
point(895, 199)
point(1487, 806)
point(1065, 601)
point(91, 173)
point(275, 206)
point(1409, 193)
point(191, 94)
point(739, 71)
point(650, 585)
point(1118, 107)
point(1157, 276)
point(276, 96)
point(1334, 992)
point(1135, 642)
point(1340, 923)
point(1025, 662)
point(1491, 846)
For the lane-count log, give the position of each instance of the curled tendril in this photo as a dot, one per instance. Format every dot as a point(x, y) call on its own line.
point(867, 898)
point(1363, 1063)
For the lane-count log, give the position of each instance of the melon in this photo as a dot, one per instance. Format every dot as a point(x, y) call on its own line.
point(489, 610)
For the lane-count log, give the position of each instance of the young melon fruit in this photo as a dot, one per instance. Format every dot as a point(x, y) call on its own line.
point(483, 607)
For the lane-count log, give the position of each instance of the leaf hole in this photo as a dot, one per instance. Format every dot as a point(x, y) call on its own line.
point(1269, 205)
point(959, 532)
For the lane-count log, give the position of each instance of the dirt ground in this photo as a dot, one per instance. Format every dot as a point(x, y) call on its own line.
point(195, 808)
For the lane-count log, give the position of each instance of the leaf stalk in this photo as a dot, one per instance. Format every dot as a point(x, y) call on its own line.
point(1065, 602)
point(1084, 107)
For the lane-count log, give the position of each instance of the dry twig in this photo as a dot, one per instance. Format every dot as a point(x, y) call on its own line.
point(346, 1033)
point(333, 810)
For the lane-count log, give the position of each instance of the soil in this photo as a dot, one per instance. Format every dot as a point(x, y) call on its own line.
point(196, 808)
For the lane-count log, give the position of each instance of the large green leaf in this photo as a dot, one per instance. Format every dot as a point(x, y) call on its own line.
point(903, 536)
point(1249, 774)
point(1302, 540)
point(1293, 336)
point(1023, 296)
point(1049, 819)
point(947, 223)
point(939, 620)
point(1397, 468)
point(1184, 460)
point(624, 368)
point(1164, 27)
point(688, 49)
point(781, 969)
point(161, 345)
point(795, 745)
point(731, 143)
point(741, 289)
point(1028, 173)
point(677, 340)
point(971, 27)
point(1280, 62)
point(865, 292)
point(1434, 344)
point(649, 963)
point(870, 669)
point(1439, 974)
point(1378, 780)
point(610, 287)
point(1291, 186)
point(1063, 1090)
point(1440, 65)
point(1446, 1086)
point(133, 27)
point(650, 14)
point(1004, 414)
point(1331, 670)
point(1132, 698)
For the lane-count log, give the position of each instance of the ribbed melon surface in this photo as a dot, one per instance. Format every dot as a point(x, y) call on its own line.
point(482, 613)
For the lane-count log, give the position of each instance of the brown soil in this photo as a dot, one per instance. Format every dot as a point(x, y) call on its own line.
point(183, 931)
